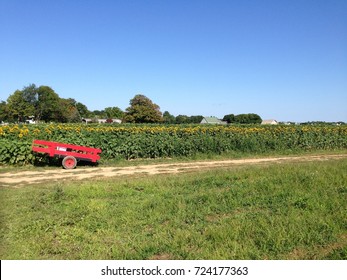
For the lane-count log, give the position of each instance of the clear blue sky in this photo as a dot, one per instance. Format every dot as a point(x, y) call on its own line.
point(281, 59)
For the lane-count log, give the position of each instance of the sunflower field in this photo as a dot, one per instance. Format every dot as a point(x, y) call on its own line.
point(154, 141)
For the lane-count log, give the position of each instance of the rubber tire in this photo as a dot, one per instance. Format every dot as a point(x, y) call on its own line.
point(69, 162)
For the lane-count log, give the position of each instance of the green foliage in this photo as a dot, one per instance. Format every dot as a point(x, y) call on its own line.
point(182, 119)
point(158, 141)
point(19, 108)
point(83, 110)
point(48, 106)
point(229, 118)
point(168, 118)
point(248, 119)
point(243, 119)
point(69, 112)
point(114, 113)
point(4, 112)
point(43, 104)
point(16, 152)
point(143, 110)
point(101, 114)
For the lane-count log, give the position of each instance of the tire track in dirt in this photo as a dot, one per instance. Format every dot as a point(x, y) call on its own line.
point(24, 178)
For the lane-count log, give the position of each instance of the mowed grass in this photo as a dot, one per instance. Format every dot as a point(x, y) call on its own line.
point(275, 211)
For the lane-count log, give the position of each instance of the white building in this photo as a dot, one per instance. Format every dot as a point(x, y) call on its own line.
point(274, 122)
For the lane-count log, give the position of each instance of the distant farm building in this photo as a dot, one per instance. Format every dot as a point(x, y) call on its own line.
point(87, 120)
point(269, 122)
point(30, 120)
point(212, 120)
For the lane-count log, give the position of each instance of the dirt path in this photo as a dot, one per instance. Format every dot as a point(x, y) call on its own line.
point(20, 179)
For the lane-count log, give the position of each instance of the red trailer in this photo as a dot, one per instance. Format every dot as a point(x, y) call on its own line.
point(68, 152)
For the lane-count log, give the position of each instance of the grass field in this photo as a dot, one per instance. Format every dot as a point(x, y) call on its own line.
point(275, 211)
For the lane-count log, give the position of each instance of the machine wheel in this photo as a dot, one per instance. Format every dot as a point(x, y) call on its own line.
point(69, 162)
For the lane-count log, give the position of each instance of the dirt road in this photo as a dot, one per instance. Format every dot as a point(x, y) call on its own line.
point(23, 178)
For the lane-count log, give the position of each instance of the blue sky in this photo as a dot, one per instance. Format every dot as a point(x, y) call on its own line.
point(281, 59)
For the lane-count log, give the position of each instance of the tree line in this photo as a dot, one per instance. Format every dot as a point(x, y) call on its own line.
point(43, 104)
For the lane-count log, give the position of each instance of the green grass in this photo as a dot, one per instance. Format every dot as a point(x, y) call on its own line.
point(275, 211)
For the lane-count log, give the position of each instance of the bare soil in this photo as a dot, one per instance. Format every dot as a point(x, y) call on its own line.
point(24, 178)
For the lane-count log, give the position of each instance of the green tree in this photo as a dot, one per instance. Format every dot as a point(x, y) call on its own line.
point(69, 112)
point(19, 106)
point(254, 118)
point(114, 113)
point(142, 110)
point(48, 104)
point(30, 94)
point(83, 110)
point(4, 112)
point(41, 102)
point(243, 118)
point(229, 118)
point(99, 114)
point(182, 119)
point(248, 119)
point(168, 118)
point(196, 119)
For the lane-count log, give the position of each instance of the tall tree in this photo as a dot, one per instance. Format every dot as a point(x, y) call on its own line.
point(196, 119)
point(114, 112)
point(69, 112)
point(182, 119)
point(255, 118)
point(83, 110)
point(4, 113)
point(248, 119)
point(99, 114)
point(30, 94)
point(243, 118)
point(143, 110)
point(48, 104)
point(168, 118)
point(19, 106)
point(229, 118)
